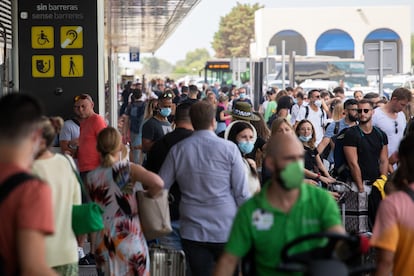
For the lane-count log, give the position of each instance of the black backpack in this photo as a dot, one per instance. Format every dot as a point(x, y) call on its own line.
point(341, 169)
point(6, 188)
point(325, 153)
point(307, 113)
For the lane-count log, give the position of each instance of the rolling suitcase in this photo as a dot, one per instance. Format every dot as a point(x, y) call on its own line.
point(166, 261)
point(353, 207)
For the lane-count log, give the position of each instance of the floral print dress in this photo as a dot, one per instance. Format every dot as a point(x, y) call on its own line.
point(121, 247)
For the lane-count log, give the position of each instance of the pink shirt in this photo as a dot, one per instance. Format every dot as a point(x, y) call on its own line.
point(394, 230)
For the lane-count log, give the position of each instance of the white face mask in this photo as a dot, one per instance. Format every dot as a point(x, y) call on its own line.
point(305, 138)
point(318, 103)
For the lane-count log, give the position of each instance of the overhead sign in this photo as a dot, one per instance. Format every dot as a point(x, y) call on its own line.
point(60, 39)
point(133, 54)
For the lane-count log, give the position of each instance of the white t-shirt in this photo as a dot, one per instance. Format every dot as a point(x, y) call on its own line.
point(390, 127)
point(318, 120)
point(294, 112)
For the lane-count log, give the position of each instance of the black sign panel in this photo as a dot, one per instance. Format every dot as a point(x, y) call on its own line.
point(58, 52)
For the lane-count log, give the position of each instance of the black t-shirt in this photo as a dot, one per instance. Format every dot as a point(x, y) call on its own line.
point(154, 129)
point(218, 111)
point(369, 148)
point(156, 157)
point(189, 101)
point(310, 159)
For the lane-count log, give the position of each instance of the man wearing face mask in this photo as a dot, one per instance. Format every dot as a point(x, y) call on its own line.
point(157, 126)
point(314, 113)
point(350, 119)
point(284, 210)
point(242, 97)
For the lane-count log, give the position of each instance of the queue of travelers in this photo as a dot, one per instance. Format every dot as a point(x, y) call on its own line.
point(277, 163)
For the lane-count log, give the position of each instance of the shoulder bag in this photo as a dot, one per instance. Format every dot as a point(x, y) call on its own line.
point(87, 217)
point(154, 214)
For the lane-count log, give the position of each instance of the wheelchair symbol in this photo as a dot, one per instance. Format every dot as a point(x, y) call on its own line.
point(42, 38)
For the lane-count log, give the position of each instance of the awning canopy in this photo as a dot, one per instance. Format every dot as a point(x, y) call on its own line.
point(143, 24)
point(335, 40)
point(383, 34)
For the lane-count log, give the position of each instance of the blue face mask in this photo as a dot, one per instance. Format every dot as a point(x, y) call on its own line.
point(295, 100)
point(242, 95)
point(165, 111)
point(246, 147)
point(305, 138)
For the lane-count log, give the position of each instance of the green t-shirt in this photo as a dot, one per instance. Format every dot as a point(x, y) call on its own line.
point(270, 110)
point(267, 229)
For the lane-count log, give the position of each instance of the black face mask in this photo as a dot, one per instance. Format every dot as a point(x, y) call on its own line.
point(352, 118)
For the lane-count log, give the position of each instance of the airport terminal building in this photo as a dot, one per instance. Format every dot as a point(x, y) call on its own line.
point(335, 31)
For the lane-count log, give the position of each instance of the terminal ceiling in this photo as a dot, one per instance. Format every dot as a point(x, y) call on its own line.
point(143, 24)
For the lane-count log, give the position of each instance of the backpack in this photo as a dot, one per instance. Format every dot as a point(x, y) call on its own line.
point(325, 153)
point(307, 113)
point(6, 188)
point(341, 169)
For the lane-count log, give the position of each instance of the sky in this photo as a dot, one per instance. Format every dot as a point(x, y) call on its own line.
point(197, 29)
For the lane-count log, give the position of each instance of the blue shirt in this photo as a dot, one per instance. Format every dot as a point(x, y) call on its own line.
point(213, 183)
point(329, 132)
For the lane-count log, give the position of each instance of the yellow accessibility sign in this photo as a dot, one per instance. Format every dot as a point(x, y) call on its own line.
point(43, 66)
point(42, 37)
point(72, 66)
point(71, 37)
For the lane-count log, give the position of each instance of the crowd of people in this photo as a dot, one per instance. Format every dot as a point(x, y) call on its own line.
point(241, 178)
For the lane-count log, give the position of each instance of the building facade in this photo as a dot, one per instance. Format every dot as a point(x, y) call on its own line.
point(334, 31)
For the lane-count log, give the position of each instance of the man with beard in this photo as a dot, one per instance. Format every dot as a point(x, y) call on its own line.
point(391, 119)
point(366, 149)
point(286, 206)
point(350, 119)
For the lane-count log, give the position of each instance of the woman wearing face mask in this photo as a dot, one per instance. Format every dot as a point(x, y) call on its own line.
point(244, 135)
point(314, 168)
point(121, 248)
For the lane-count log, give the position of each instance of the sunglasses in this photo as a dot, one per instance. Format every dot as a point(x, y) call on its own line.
point(166, 95)
point(366, 110)
point(396, 127)
point(82, 97)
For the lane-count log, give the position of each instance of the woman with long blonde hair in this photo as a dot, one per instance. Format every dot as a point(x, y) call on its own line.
point(121, 246)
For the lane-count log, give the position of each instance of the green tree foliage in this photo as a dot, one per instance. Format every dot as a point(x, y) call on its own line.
point(193, 62)
point(412, 49)
point(153, 65)
point(235, 31)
